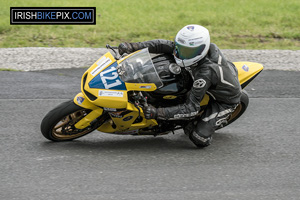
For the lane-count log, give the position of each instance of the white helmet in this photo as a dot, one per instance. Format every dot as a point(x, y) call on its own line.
point(191, 45)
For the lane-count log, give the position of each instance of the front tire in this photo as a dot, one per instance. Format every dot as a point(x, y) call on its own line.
point(58, 124)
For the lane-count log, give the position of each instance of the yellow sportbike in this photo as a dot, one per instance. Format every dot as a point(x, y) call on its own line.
point(113, 92)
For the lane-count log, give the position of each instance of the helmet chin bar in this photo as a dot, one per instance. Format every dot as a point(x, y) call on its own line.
point(187, 62)
point(179, 62)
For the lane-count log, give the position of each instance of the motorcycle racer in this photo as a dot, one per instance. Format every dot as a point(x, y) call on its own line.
point(213, 74)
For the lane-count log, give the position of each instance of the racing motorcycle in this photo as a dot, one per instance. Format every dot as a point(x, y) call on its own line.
point(114, 90)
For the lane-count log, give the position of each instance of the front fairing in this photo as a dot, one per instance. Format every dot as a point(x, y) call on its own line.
point(107, 81)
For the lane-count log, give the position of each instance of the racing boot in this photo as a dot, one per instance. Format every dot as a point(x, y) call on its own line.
point(202, 134)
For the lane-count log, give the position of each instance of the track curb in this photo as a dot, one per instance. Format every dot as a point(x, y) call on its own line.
point(44, 58)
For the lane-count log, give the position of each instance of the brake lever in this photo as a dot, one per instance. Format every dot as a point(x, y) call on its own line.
point(113, 49)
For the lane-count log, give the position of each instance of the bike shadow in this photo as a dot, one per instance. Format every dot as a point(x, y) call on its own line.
point(109, 142)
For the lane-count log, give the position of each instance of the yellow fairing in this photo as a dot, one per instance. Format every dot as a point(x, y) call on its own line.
point(147, 87)
point(124, 122)
point(81, 101)
point(106, 97)
point(205, 100)
point(85, 122)
point(247, 71)
point(95, 99)
point(125, 118)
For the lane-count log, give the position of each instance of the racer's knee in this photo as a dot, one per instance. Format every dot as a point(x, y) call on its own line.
point(202, 135)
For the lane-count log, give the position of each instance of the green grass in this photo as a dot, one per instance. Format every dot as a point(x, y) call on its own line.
point(6, 69)
point(233, 24)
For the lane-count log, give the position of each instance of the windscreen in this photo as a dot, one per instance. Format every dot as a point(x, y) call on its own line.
point(139, 68)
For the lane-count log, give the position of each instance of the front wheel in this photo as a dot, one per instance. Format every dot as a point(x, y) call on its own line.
point(59, 123)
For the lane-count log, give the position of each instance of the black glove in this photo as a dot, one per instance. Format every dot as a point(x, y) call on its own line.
point(150, 112)
point(125, 48)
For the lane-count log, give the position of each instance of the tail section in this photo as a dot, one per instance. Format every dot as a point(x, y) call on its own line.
point(247, 71)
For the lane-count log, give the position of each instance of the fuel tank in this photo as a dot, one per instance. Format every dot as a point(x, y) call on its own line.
point(177, 82)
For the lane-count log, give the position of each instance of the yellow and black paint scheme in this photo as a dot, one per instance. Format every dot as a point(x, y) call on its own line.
point(124, 116)
point(247, 71)
point(91, 98)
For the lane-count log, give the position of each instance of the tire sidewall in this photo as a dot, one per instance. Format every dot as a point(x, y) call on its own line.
point(54, 116)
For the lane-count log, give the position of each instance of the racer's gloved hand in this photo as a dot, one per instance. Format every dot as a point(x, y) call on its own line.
point(125, 47)
point(150, 112)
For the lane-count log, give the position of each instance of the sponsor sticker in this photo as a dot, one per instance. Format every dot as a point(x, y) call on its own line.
point(127, 118)
point(200, 83)
point(222, 122)
point(181, 40)
point(185, 115)
point(80, 100)
point(245, 68)
point(109, 109)
point(104, 93)
point(190, 28)
point(198, 38)
point(145, 87)
point(101, 64)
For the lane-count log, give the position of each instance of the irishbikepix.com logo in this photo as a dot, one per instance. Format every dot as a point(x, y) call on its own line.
point(52, 15)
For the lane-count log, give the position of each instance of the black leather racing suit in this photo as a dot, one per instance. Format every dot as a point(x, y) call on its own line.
point(213, 75)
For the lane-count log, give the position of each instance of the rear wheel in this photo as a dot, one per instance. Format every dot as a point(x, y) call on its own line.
point(240, 109)
point(58, 124)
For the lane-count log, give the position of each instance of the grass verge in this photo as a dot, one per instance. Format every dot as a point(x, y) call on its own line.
point(233, 24)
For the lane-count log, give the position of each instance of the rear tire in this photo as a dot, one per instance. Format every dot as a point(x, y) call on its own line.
point(58, 124)
point(240, 109)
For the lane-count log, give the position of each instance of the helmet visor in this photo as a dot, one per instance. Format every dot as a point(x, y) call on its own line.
point(183, 52)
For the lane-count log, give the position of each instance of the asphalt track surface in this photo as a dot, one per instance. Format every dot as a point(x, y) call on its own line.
point(257, 157)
